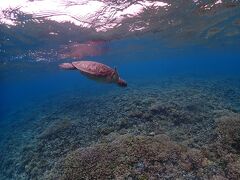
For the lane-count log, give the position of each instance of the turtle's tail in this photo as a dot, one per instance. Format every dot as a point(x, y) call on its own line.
point(67, 66)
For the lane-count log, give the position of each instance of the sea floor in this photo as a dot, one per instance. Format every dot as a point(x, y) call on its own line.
point(185, 128)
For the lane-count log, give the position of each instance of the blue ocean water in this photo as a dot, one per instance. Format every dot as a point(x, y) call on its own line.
point(182, 97)
point(20, 86)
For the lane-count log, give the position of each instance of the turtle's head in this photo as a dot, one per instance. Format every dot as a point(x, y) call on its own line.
point(122, 83)
point(118, 80)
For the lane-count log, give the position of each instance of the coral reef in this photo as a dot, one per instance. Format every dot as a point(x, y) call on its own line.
point(177, 129)
point(136, 157)
point(225, 150)
point(228, 131)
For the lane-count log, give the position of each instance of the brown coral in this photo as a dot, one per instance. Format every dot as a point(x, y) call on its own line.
point(228, 131)
point(141, 157)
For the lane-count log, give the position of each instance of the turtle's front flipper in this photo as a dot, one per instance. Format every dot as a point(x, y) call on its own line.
point(67, 66)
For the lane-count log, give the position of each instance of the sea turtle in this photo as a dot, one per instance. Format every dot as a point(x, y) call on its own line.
point(96, 71)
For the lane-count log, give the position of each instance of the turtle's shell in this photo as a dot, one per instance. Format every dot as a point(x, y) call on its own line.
point(93, 68)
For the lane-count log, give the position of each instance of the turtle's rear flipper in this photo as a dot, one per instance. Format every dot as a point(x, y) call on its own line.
point(67, 66)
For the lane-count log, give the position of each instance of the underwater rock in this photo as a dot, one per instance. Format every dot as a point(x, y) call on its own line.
point(135, 114)
point(124, 123)
point(172, 113)
point(159, 109)
point(55, 128)
point(105, 130)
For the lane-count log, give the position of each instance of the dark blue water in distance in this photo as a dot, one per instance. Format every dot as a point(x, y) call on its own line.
point(147, 67)
point(178, 117)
